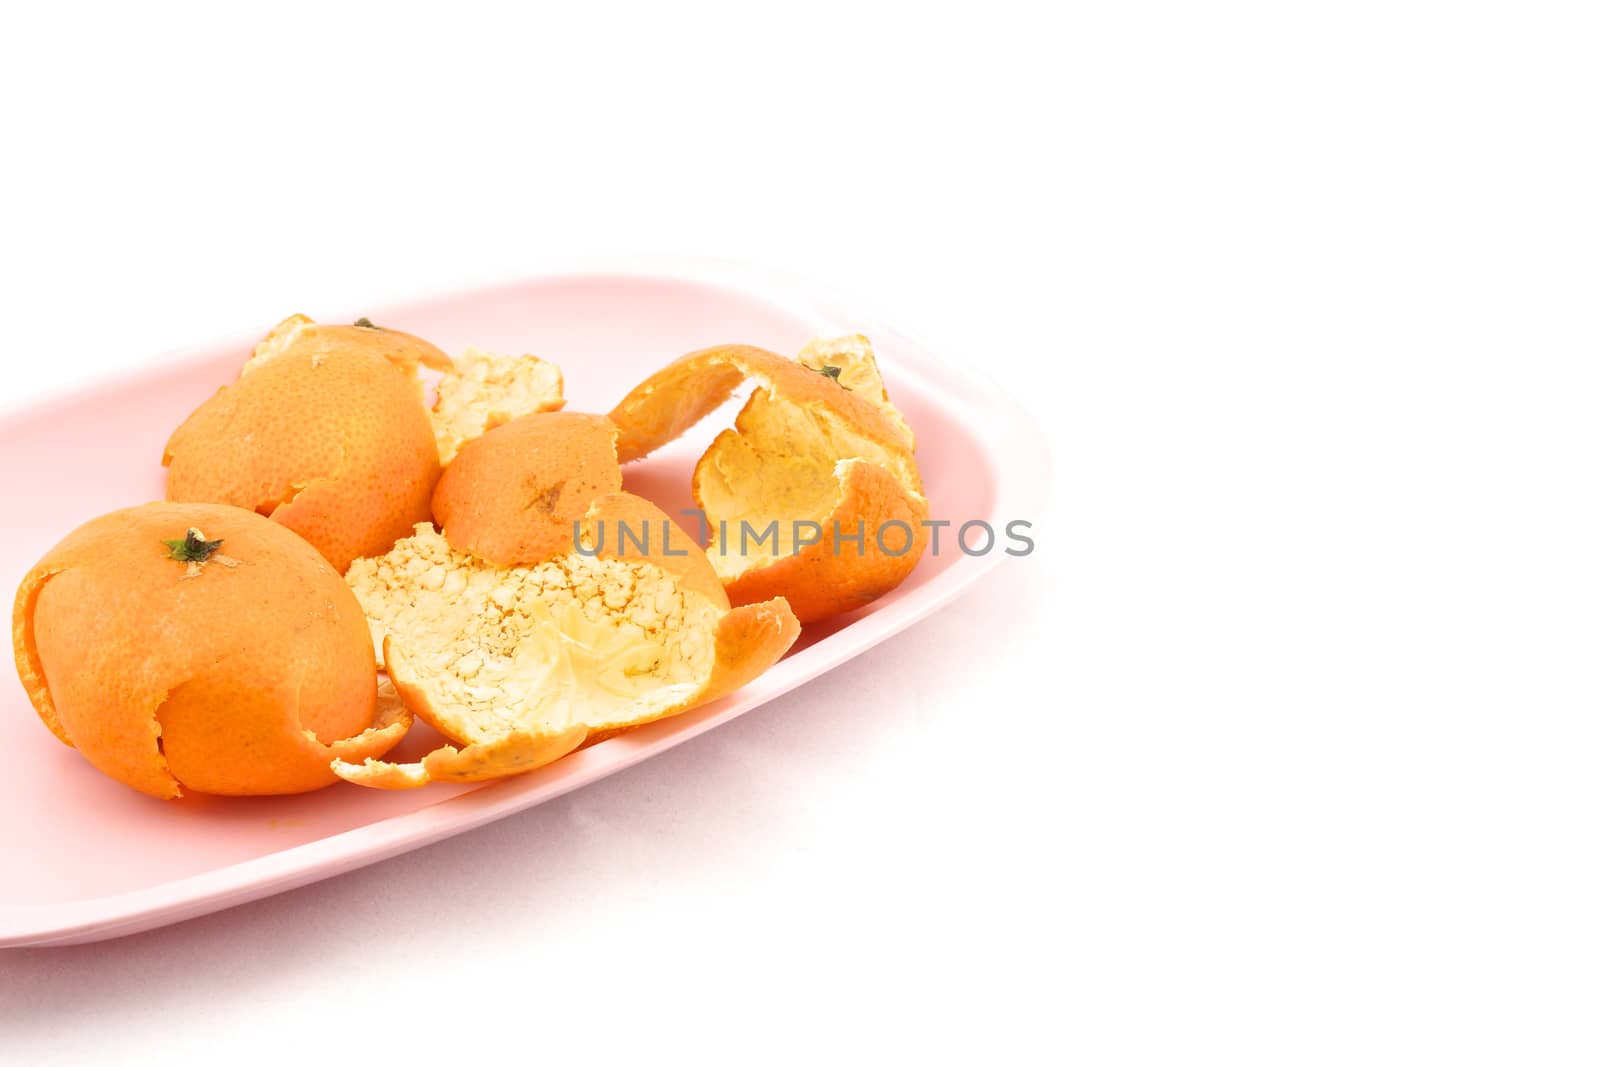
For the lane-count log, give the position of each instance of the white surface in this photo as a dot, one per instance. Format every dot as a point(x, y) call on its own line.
point(1281, 749)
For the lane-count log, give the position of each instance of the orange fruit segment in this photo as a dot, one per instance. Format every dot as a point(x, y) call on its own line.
point(814, 495)
point(200, 647)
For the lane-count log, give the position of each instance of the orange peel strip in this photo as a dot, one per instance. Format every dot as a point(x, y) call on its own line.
point(817, 453)
point(514, 753)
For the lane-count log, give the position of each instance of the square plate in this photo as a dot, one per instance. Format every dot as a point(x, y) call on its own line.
point(91, 859)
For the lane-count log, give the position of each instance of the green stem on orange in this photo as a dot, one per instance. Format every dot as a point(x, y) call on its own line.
point(192, 547)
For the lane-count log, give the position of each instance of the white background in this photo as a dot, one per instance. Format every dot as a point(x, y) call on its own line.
point(1281, 749)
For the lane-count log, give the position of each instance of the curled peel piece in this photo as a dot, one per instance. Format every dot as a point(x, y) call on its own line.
point(482, 390)
point(242, 679)
point(264, 718)
point(513, 752)
point(551, 610)
point(850, 361)
point(520, 661)
point(381, 774)
point(515, 496)
point(818, 456)
point(25, 645)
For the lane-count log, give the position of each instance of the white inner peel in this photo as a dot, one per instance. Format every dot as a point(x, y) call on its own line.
point(857, 370)
point(486, 390)
point(576, 639)
point(780, 464)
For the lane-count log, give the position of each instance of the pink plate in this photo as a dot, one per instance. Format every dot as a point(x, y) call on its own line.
point(91, 859)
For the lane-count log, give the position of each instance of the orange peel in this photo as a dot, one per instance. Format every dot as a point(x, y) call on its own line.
point(231, 661)
point(325, 431)
point(818, 455)
point(482, 390)
point(549, 466)
point(520, 658)
point(301, 335)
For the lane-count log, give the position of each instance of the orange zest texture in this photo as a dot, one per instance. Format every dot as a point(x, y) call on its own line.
point(325, 431)
point(200, 647)
point(817, 451)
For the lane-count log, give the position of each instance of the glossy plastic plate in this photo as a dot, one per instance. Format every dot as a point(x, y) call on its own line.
point(87, 858)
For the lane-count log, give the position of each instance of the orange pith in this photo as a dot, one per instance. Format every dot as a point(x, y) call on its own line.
point(526, 626)
point(817, 449)
point(483, 390)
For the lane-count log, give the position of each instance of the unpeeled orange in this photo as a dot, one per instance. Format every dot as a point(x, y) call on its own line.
point(325, 431)
point(200, 647)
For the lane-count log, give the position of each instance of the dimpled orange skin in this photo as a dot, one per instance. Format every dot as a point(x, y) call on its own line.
point(527, 488)
point(679, 395)
point(329, 437)
point(833, 575)
point(402, 349)
point(209, 682)
point(836, 575)
point(512, 495)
